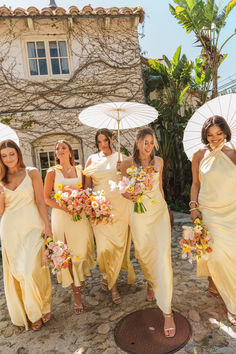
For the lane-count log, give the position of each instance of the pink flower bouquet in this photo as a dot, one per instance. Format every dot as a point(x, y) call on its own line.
point(98, 209)
point(57, 255)
point(196, 241)
point(73, 198)
point(140, 180)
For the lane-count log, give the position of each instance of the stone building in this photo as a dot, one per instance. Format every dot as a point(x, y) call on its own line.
point(54, 63)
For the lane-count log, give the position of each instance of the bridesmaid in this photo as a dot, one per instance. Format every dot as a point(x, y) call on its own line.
point(77, 235)
point(151, 230)
point(112, 240)
point(26, 278)
point(213, 197)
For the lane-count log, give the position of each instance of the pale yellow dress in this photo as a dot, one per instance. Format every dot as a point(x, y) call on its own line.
point(151, 233)
point(78, 235)
point(26, 277)
point(217, 203)
point(112, 240)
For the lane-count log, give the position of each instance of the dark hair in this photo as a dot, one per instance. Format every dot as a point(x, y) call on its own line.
point(108, 134)
point(72, 156)
point(3, 168)
point(140, 136)
point(220, 122)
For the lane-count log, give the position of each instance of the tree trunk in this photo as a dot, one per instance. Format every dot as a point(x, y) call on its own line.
point(214, 79)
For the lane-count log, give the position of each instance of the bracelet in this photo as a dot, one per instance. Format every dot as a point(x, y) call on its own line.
point(2, 192)
point(193, 201)
point(193, 209)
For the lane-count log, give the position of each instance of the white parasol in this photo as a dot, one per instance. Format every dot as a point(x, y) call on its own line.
point(8, 133)
point(118, 115)
point(224, 106)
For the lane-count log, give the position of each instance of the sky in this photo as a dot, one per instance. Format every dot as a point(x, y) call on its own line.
point(162, 33)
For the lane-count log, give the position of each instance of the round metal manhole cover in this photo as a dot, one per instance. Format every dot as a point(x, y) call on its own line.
point(141, 332)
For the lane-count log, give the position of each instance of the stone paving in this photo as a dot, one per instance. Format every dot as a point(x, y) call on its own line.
point(92, 331)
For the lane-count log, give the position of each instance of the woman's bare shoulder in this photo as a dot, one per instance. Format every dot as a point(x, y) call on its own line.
point(198, 155)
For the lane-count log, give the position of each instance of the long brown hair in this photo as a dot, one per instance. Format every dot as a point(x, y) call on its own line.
point(108, 134)
point(72, 156)
point(3, 168)
point(140, 136)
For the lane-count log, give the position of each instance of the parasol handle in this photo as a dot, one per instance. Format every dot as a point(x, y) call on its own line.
point(118, 125)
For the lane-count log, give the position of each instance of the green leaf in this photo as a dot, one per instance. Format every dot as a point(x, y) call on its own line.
point(181, 96)
point(222, 58)
point(176, 56)
point(229, 7)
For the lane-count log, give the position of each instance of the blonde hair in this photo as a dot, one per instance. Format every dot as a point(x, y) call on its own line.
point(140, 136)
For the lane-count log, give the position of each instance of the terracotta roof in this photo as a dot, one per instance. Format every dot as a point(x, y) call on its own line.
point(73, 11)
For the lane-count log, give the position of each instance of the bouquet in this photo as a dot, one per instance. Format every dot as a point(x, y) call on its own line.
point(196, 241)
point(140, 180)
point(57, 255)
point(73, 198)
point(98, 209)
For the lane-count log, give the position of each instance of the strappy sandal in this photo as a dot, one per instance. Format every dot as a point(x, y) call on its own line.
point(167, 330)
point(78, 308)
point(150, 294)
point(37, 325)
point(116, 297)
point(231, 318)
point(46, 317)
point(104, 285)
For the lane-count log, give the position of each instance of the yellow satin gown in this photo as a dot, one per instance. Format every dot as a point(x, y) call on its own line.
point(151, 233)
point(112, 240)
point(26, 277)
point(78, 235)
point(217, 203)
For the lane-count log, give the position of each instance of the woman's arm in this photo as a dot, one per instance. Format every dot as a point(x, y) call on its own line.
point(2, 200)
point(88, 183)
point(48, 188)
point(39, 200)
point(161, 165)
point(194, 212)
point(122, 167)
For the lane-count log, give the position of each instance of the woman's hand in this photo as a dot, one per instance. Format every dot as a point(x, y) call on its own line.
point(195, 214)
point(130, 196)
point(47, 232)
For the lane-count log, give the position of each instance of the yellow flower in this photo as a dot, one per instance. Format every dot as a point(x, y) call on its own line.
point(140, 199)
point(92, 197)
point(133, 168)
point(94, 204)
point(104, 207)
point(79, 185)
point(77, 258)
point(48, 240)
point(59, 186)
point(186, 249)
point(79, 167)
point(57, 196)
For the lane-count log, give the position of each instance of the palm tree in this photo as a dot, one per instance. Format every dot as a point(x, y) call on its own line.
point(206, 20)
point(170, 79)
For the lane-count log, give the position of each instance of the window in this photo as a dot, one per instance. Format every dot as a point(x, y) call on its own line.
point(46, 160)
point(48, 58)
